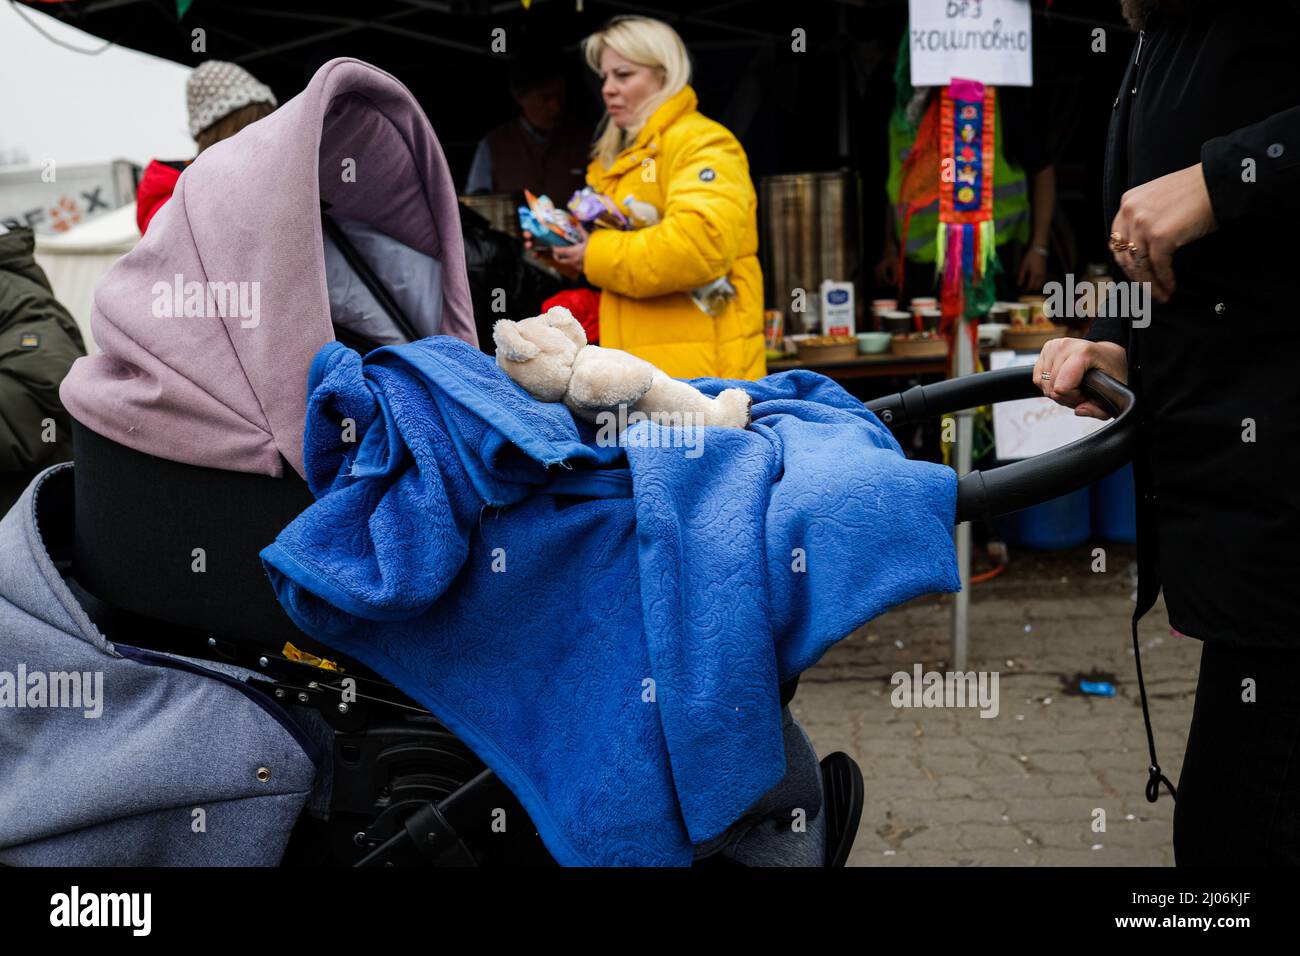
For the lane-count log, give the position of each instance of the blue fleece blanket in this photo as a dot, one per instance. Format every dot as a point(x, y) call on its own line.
point(605, 624)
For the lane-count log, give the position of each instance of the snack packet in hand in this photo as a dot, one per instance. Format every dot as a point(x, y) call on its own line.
point(551, 226)
point(597, 209)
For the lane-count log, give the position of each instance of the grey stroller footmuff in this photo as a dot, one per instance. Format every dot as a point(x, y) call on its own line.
point(116, 756)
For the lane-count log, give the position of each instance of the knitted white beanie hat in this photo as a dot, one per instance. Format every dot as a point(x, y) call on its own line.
point(216, 89)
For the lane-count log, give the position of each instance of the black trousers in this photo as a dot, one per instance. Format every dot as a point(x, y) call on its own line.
point(1239, 791)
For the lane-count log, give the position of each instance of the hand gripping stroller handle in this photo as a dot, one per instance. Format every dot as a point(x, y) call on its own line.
point(1021, 484)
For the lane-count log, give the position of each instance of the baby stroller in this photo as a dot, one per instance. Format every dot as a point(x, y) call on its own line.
point(235, 723)
point(399, 788)
point(402, 789)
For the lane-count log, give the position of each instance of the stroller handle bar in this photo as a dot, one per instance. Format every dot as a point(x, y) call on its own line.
point(1032, 481)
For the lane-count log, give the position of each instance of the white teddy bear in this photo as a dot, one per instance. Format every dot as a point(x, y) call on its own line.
point(549, 356)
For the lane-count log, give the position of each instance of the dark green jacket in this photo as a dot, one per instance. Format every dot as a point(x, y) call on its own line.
point(39, 341)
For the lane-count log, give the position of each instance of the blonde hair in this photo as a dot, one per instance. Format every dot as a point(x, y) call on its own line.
point(646, 42)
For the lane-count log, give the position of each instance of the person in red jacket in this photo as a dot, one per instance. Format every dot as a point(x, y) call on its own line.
point(156, 185)
point(222, 98)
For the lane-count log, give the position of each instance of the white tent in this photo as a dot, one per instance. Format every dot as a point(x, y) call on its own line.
point(75, 260)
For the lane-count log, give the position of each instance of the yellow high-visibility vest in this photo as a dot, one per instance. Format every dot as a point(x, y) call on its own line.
point(1011, 210)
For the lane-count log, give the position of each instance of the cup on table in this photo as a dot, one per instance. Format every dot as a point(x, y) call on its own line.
point(1037, 309)
point(918, 307)
point(897, 321)
point(1018, 314)
point(879, 307)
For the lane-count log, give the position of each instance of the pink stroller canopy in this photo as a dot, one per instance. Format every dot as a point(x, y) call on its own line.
point(208, 327)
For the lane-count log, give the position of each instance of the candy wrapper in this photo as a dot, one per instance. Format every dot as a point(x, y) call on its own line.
point(712, 298)
point(642, 214)
point(597, 209)
point(549, 225)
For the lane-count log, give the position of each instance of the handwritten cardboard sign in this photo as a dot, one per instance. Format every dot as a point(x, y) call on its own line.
point(1031, 426)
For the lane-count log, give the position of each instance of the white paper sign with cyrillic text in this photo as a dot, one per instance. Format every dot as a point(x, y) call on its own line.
point(986, 40)
point(1031, 426)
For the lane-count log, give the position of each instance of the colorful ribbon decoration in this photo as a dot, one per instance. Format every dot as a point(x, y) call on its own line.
point(967, 242)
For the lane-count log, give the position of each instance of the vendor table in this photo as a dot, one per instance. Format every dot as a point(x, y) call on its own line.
point(865, 366)
point(869, 366)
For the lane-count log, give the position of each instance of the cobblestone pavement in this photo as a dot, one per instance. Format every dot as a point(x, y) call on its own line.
point(947, 787)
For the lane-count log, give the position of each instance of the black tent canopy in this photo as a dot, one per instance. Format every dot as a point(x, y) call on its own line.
point(816, 104)
point(453, 54)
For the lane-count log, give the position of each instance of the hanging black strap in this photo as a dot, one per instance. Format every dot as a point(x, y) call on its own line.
point(1154, 775)
point(368, 278)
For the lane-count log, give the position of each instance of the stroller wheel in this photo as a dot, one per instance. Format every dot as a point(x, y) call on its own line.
point(844, 793)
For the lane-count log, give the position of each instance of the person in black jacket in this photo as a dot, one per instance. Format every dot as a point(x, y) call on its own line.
point(39, 341)
point(502, 283)
point(1202, 189)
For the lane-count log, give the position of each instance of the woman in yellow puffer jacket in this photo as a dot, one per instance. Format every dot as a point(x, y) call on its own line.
point(657, 148)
